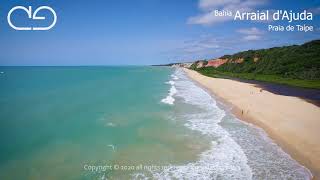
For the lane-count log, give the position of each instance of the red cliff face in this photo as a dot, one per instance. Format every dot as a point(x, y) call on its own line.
point(216, 62)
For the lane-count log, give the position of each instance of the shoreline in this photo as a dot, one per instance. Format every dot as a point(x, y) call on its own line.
point(296, 137)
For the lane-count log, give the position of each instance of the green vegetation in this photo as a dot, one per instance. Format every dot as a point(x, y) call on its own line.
point(212, 72)
point(193, 66)
point(290, 65)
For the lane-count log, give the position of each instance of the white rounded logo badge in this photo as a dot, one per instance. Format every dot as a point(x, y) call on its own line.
point(32, 15)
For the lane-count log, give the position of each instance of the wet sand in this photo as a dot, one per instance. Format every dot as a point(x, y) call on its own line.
point(291, 121)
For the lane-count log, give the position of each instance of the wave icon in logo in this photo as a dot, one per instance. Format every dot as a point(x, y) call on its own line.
point(32, 16)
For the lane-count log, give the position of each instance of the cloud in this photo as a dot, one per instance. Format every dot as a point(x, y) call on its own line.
point(206, 46)
point(315, 10)
point(251, 38)
point(251, 34)
point(199, 45)
point(203, 46)
point(206, 4)
point(207, 7)
point(250, 31)
point(208, 19)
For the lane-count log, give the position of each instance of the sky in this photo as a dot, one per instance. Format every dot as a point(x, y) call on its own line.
point(143, 32)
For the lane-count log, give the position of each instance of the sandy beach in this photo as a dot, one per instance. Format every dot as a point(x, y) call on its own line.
point(293, 123)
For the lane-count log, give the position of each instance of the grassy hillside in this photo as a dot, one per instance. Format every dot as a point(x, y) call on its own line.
point(291, 65)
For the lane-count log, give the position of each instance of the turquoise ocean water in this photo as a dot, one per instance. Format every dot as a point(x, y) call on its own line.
point(126, 123)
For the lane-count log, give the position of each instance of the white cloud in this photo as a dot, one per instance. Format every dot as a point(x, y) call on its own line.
point(250, 31)
point(251, 38)
point(315, 10)
point(200, 44)
point(251, 34)
point(207, 17)
point(203, 46)
point(206, 4)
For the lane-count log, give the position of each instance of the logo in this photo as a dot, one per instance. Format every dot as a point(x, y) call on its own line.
point(33, 16)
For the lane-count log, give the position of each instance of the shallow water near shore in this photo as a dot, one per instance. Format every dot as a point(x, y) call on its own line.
point(127, 123)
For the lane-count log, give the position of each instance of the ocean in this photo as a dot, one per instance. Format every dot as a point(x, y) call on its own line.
point(127, 123)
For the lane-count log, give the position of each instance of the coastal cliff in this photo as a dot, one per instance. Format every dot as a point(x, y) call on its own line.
point(296, 65)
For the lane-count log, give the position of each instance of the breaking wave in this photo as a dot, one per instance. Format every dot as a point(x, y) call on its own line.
point(172, 91)
point(225, 159)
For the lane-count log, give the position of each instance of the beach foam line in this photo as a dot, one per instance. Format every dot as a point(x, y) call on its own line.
point(170, 82)
point(169, 99)
point(225, 159)
point(174, 77)
point(172, 91)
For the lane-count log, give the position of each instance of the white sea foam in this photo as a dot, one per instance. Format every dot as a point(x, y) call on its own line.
point(174, 77)
point(168, 100)
point(170, 82)
point(267, 158)
point(172, 91)
point(110, 124)
point(225, 159)
point(112, 147)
